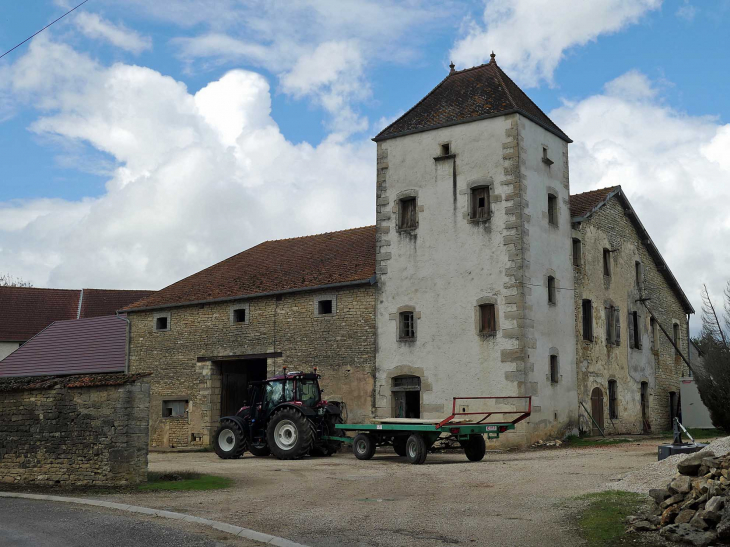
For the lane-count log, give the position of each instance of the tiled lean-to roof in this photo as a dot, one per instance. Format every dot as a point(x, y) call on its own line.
point(581, 205)
point(468, 95)
point(279, 266)
point(99, 302)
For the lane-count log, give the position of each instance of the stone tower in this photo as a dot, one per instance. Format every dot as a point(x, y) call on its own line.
point(474, 255)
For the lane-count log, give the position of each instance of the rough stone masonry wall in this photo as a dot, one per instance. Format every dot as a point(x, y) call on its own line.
point(597, 362)
point(75, 436)
point(341, 346)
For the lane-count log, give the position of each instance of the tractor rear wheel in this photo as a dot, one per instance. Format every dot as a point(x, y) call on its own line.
point(259, 449)
point(475, 448)
point(289, 434)
point(416, 450)
point(363, 446)
point(228, 441)
point(399, 445)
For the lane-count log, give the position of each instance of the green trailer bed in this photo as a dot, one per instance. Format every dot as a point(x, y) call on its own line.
point(414, 439)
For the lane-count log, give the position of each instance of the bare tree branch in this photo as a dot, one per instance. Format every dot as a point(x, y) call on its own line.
point(710, 321)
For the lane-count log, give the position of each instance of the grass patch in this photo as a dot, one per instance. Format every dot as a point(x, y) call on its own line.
point(697, 434)
point(184, 480)
point(601, 521)
point(574, 440)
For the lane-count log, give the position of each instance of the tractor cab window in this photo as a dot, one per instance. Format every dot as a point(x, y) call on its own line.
point(308, 392)
point(277, 393)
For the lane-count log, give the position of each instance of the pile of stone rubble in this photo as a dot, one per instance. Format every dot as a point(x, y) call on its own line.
point(694, 508)
point(542, 444)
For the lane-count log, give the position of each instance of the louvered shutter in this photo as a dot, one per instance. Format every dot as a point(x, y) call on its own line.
point(631, 331)
point(617, 327)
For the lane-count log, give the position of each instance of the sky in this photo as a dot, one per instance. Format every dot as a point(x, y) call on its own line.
point(144, 141)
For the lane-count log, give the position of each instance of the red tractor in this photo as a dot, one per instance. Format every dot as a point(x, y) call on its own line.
point(285, 416)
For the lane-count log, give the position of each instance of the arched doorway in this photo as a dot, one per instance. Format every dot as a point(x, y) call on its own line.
point(597, 409)
point(406, 397)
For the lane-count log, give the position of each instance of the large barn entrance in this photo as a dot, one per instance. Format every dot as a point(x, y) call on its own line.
point(235, 378)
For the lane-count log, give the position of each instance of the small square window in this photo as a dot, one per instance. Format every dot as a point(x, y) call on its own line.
point(324, 307)
point(445, 149)
point(162, 323)
point(487, 319)
point(239, 315)
point(551, 290)
point(480, 206)
point(407, 327)
point(407, 219)
point(554, 369)
point(172, 409)
point(553, 209)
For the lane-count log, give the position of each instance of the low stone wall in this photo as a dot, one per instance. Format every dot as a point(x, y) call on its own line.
point(76, 430)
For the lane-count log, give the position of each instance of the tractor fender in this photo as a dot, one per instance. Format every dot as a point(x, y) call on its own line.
point(239, 421)
point(308, 412)
point(333, 409)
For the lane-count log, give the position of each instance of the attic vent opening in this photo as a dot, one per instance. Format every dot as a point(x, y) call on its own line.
point(324, 307)
point(161, 323)
point(239, 315)
point(445, 149)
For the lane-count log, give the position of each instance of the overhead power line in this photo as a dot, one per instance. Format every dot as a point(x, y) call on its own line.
point(44, 28)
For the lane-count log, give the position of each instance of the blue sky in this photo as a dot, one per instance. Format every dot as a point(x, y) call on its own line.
point(96, 112)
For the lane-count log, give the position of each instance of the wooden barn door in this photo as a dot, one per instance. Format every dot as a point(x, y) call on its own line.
point(597, 409)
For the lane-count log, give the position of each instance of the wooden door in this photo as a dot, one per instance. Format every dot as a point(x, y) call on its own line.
point(597, 409)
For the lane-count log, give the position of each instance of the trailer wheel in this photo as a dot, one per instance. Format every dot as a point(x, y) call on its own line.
point(289, 434)
point(416, 450)
point(228, 441)
point(363, 446)
point(475, 448)
point(260, 449)
point(399, 445)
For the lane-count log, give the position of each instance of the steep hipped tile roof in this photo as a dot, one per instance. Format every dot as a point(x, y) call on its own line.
point(277, 266)
point(75, 346)
point(99, 302)
point(26, 383)
point(25, 311)
point(468, 95)
point(582, 204)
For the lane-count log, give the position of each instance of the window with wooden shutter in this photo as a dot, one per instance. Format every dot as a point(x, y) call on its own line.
point(407, 330)
point(609, 325)
point(606, 262)
point(632, 331)
point(554, 374)
point(612, 399)
point(636, 319)
point(487, 319)
point(576, 252)
point(480, 206)
point(587, 308)
point(617, 326)
point(407, 219)
point(553, 209)
point(551, 290)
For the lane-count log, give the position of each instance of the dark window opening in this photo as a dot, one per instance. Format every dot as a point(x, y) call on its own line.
point(487, 318)
point(445, 149)
point(612, 400)
point(161, 323)
point(545, 158)
point(239, 316)
point(551, 290)
point(553, 209)
point(407, 326)
point(637, 330)
point(480, 206)
point(639, 275)
point(407, 218)
point(324, 307)
point(576, 252)
point(554, 369)
point(606, 262)
point(587, 320)
point(171, 409)
point(654, 333)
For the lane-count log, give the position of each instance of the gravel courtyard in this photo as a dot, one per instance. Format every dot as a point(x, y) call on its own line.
point(510, 498)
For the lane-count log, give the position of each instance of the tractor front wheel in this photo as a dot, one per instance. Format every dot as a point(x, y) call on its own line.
point(228, 441)
point(289, 434)
point(363, 446)
point(475, 448)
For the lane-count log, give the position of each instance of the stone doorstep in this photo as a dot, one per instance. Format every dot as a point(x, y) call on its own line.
point(222, 526)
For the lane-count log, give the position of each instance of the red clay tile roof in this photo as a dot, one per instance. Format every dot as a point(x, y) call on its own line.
point(277, 266)
point(99, 302)
point(76, 346)
point(26, 383)
point(25, 311)
point(583, 204)
point(468, 95)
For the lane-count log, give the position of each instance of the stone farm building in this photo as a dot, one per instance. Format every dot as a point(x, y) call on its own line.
point(482, 276)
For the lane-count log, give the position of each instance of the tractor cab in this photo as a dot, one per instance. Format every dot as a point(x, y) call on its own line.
point(297, 388)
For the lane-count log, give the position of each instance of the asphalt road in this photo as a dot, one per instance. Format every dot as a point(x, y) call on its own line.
point(31, 523)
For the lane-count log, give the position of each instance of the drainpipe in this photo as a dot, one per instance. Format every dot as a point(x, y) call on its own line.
point(689, 348)
point(129, 334)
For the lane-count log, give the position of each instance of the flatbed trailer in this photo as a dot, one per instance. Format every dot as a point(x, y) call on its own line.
point(413, 439)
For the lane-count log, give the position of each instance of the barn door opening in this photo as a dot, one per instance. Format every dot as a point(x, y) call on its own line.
point(597, 409)
point(406, 397)
point(235, 378)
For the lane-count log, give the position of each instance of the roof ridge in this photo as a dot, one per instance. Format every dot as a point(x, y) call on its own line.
point(499, 73)
point(39, 288)
point(314, 235)
point(597, 190)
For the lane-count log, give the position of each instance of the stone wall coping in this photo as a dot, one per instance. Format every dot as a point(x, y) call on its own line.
point(217, 525)
point(29, 383)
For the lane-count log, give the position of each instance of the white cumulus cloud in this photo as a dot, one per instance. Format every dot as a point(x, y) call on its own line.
point(530, 37)
point(673, 167)
point(93, 26)
point(199, 177)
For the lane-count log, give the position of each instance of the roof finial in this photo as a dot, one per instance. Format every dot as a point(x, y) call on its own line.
point(452, 66)
point(492, 56)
